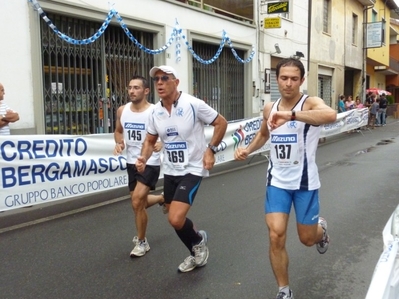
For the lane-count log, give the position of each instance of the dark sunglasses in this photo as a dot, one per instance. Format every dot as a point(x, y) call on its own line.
point(163, 78)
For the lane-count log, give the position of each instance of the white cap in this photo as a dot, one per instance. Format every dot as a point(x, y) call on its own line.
point(164, 68)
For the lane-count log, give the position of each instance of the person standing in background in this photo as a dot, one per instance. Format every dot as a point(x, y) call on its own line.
point(369, 102)
point(358, 103)
point(383, 110)
point(373, 112)
point(7, 114)
point(130, 131)
point(350, 104)
point(341, 104)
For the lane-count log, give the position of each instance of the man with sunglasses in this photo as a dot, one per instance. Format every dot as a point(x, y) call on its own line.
point(178, 120)
point(130, 131)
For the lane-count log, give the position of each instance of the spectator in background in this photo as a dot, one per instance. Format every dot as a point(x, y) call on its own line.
point(341, 104)
point(383, 110)
point(7, 114)
point(369, 101)
point(358, 103)
point(373, 112)
point(350, 104)
point(378, 115)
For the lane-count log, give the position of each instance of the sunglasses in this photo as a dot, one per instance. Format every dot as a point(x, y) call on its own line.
point(163, 78)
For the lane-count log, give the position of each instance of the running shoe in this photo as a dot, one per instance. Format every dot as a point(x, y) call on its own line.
point(322, 246)
point(188, 264)
point(282, 295)
point(141, 247)
point(201, 251)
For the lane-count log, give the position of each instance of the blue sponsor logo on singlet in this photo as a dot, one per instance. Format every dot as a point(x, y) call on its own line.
point(291, 124)
point(175, 145)
point(134, 126)
point(172, 131)
point(179, 112)
point(284, 138)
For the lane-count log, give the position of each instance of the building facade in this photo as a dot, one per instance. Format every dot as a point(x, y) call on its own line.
point(75, 65)
point(74, 58)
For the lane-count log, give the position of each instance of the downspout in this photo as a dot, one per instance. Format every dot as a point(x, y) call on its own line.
point(309, 30)
point(365, 17)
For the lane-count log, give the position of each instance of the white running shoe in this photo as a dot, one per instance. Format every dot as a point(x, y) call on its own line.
point(322, 246)
point(140, 247)
point(282, 295)
point(201, 250)
point(188, 264)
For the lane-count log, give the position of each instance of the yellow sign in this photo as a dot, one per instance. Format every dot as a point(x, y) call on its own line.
point(272, 23)
point(277, 7)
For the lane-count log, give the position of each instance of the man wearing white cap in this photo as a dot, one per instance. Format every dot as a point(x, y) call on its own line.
point(178, 120)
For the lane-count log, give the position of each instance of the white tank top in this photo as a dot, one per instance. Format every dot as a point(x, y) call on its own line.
point(182, 133)
point(134, 131)
point(293, 148)
point(3, 110)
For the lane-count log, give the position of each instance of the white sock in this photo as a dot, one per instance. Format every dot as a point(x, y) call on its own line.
point(284, 289)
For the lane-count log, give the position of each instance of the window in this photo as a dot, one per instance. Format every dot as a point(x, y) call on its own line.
point(326, 16)
point(373, 16)
point(242, 10)
point(354, 29)
point(83, 85)
point(289, 13)
point(324, 89)
point(221, 83)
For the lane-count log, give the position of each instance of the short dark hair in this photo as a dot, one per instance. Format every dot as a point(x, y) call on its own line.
point(290, 62)
point(145, 82)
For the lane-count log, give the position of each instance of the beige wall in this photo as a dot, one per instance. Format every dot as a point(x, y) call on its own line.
point(336, 50)
point(380, 55)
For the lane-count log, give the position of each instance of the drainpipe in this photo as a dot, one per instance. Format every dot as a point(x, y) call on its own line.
point(309, 33)
point(364, 75)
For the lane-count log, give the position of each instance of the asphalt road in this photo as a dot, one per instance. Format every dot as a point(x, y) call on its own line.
point(85, 254)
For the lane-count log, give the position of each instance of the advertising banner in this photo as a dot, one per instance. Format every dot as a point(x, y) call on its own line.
point(36, 169)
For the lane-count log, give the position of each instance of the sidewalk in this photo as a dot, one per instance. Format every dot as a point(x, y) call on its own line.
point(390, 120)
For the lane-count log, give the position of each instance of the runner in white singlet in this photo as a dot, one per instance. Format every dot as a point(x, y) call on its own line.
point(292, 124)
point(178, 120)
point(130, 131)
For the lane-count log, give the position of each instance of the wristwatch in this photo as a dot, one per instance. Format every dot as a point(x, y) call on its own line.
point(213, 148)
point(293, 116)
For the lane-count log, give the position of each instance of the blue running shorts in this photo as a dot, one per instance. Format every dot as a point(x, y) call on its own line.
point(306, 203)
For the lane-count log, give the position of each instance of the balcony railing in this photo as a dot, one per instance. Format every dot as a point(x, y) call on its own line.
point(200, 4)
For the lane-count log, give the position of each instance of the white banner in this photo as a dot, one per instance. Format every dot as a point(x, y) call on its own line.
point(385, 281)
point(36, 169)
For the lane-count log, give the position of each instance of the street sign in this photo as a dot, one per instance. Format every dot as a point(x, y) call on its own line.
point(277, 7)
point(374, 35)
point(272, 22)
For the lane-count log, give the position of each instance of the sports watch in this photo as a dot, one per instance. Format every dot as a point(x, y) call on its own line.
point(213, 148)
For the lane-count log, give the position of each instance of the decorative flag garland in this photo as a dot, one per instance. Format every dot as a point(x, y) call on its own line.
point(176, 36)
